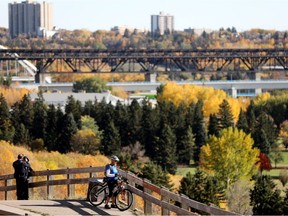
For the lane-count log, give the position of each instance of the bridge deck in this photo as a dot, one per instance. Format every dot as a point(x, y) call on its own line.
point(55, 207)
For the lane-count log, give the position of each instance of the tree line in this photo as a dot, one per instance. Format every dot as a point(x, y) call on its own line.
point(169, 134)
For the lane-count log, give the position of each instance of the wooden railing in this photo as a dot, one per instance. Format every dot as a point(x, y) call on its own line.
point(150, 193)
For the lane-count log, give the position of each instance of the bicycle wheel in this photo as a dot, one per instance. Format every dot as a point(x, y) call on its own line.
point(124, 200)
point(97, 195)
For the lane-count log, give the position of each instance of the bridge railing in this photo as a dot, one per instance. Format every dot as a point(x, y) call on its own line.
point(151, 194)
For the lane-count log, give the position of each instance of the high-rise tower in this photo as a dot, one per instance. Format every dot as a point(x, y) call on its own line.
point(30, 17)
point(162, 23)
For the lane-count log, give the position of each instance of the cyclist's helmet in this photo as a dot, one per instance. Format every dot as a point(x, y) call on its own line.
point(114, 158)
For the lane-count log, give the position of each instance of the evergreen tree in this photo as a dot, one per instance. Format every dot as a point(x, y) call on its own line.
point(190, 114)
point(51, 130)
point(285, 206)
point(166, 149)
point(213, 127)
point(7, 130)
point(110, 143)
point(199, 130)
point(265, 133)
point(68, 128)
point(40, 118)
point(251, 117)
point(74, 107)
point(202, 188)
point(265, 198)
point(156, 175)
point(149, 125)
point(22, 118)
point(225, 115)
point(186, 146)
point(88, 108)
point(242, 123)
point(134, 123)
point(121, 121)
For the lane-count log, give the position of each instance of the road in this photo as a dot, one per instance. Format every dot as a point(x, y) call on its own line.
point(55, 208)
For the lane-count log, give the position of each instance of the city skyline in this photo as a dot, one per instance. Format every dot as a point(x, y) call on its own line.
point(212, 14)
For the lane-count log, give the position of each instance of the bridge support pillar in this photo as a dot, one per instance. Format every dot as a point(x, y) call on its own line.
point(37, 78)
point(234, 92)
point(150, 77)
point(258, 78)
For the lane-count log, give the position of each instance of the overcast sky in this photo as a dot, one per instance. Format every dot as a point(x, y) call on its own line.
point(212, 14)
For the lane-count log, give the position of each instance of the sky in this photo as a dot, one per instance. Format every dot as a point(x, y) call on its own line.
point(211, 14)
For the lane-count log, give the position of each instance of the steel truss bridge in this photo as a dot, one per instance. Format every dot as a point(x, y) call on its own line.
point(150, 60)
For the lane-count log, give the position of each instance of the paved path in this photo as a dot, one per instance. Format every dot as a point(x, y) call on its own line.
point(55, 208)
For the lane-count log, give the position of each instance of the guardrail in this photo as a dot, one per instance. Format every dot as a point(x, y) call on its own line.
point(150, 193)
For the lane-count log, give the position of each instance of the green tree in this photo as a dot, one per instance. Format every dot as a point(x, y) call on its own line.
point(90, 85)
point(264, 133)
point(121, 121)
point(149, 125)
point(22, 118)
point(242, 123)
point(225, 115)
point(213, 127)
point(7, 130)
point(110, 143)
point(52, 129)
point(165, 145)
point(276, 156)
point(40, 118)
point(86, 141)
point(265, 197)
point(74, 106)
point(68, 128)
point(156, 175)
point(198, 128)
point(134, 123)
point(230, 156)
point(202, 188)
point(186, 146)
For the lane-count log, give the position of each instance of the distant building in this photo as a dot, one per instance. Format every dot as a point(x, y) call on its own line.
point(162, 23)
point(31, 18)
point(198, 31)
point(121, 29)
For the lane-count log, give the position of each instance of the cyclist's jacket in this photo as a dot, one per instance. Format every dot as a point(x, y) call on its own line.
point(111, 172)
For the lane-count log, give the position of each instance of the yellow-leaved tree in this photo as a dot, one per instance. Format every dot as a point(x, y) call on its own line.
point(211, 98)
point(230, 157)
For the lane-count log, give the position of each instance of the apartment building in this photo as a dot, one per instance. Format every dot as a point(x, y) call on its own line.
point(30, 18)
point(162, 23)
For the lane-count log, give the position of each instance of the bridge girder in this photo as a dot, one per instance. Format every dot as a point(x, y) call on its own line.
point(158, 60)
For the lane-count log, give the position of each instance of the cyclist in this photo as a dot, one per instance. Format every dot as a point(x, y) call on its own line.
point(111, 174)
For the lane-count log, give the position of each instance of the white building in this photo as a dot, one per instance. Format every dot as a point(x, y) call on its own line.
point(30, 17)
point(121, 29)
point(162, 23)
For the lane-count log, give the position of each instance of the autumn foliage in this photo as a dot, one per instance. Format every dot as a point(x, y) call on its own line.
point(211, 98)
point(53, 160)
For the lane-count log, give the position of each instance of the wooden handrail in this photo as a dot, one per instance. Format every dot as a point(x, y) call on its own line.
point(166, 202)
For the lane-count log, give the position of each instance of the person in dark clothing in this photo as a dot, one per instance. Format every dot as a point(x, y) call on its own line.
point(20, 175)
point(29, 172)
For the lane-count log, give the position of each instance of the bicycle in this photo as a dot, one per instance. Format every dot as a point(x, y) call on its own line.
point(123, 196)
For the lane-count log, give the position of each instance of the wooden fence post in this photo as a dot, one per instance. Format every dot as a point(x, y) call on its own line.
point(70, 187)
point(50, 189)
point(133, 206)
point(183, 205)
point(147, 204)
point(8, 182)
point(30, 190)
point(166, 199)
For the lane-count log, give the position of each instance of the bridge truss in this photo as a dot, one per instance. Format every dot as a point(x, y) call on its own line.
point(150, 60)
